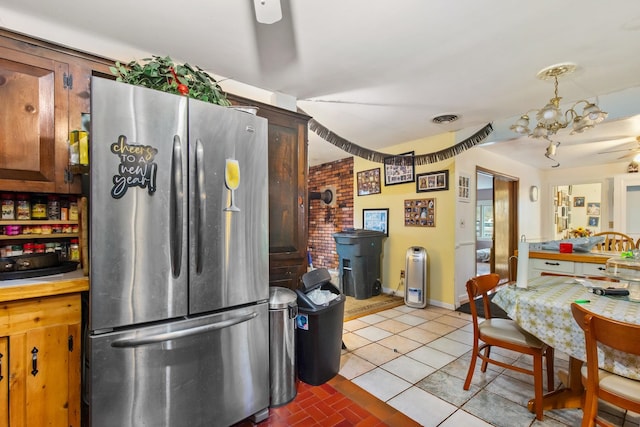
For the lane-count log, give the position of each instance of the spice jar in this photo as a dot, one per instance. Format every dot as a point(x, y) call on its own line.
point(73, 208)
point(74, 250)
point(23, 207)
point(8, 206)
point(39, 248)
point(28, 248)
point(13, 230)
point(38, 207)
point(64, 208)
point(62, 249)
point(53, 207)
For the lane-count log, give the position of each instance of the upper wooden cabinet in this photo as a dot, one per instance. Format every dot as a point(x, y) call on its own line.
point(44, 91)
point(288, 192)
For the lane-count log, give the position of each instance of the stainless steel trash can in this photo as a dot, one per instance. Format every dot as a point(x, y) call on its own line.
point(283, 310)
point(415, 287)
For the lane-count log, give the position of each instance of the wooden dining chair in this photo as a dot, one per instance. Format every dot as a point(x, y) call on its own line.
point(614, 242)
point(505, 333)
point(600, 384)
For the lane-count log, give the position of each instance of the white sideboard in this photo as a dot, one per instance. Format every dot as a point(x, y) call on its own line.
point(590, 264)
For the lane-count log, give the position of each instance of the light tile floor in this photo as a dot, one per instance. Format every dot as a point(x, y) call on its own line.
point(416, 360)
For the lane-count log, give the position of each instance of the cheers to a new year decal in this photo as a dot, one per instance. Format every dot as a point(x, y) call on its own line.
point(136, 169)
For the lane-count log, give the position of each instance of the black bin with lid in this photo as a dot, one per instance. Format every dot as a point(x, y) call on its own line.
point(359, 269)
point(318, 329)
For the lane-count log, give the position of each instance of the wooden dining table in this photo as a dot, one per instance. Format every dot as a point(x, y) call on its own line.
point(543, 309)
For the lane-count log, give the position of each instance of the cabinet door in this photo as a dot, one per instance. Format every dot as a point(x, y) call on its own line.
point(287, 201)
point(33, 122)
point(4, 382)
point(39, 366)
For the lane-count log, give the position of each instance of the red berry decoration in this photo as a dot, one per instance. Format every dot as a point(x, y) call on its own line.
point(183, 89)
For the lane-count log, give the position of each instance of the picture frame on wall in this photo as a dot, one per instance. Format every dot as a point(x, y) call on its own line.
point(368, 182)
point(464, 184)
point(399, 169)
point(432, 181)
point(420, 213)
point(594, 221)
point(376, 220)
point(593, 209)
point(578, 202)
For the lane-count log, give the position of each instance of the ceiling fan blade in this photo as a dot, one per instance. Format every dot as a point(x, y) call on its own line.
point(267, 11)
point(618, 151)
point(628, 155)
point(276, 42)
point(636, 148)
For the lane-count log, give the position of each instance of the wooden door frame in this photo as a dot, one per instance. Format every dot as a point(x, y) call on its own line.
point(513, 214)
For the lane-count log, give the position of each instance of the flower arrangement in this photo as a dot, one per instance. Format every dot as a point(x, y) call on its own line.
point(162, 74)
point(580, 232)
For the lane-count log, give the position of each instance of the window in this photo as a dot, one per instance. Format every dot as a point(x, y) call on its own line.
point(484, 219)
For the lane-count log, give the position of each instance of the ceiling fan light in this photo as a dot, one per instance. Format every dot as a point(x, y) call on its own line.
point(594, 113)
point(521, 125)
point(580, 124)
point(267, 11)
point(549, 114)
point(540, 132)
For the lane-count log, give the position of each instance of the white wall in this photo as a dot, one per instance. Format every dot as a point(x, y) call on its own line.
point(529, 212)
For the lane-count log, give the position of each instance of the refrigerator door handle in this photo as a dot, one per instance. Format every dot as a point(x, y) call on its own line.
point(177, 203)
point(183, 333)
point(200, 198)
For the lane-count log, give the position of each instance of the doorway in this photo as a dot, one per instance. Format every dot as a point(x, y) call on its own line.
point(496, 222)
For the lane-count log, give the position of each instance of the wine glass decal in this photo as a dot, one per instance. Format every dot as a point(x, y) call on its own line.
point(232, 181)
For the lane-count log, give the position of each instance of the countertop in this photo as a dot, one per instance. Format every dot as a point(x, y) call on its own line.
point(588, 257)
point(36, 287)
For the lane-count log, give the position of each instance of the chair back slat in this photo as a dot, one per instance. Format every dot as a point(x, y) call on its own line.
point(615, 242)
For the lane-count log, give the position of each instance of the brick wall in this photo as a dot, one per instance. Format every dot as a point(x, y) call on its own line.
point(325, 220)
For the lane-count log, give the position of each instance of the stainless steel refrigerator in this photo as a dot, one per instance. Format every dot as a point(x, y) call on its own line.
point(178, 302)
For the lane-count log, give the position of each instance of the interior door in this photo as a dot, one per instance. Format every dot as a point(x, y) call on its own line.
point(505, 210)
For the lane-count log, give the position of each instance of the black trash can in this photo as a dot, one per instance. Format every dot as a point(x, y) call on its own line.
point(319, 329)
point(359, 270)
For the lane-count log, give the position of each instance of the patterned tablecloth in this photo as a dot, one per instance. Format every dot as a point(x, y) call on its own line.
point(544, 310)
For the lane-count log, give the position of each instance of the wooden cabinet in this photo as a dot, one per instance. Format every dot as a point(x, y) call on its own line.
point(288, 192)
point(4, 381)
point(44, 91)
point(41, 361)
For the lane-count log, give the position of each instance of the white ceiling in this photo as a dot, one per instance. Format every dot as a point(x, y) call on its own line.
point(377, 71)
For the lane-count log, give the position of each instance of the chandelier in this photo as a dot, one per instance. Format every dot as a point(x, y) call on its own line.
point(550, 118)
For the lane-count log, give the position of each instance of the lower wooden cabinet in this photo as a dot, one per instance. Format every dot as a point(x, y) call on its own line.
point(287, 275)
point(4, 381)
point(41, 350)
